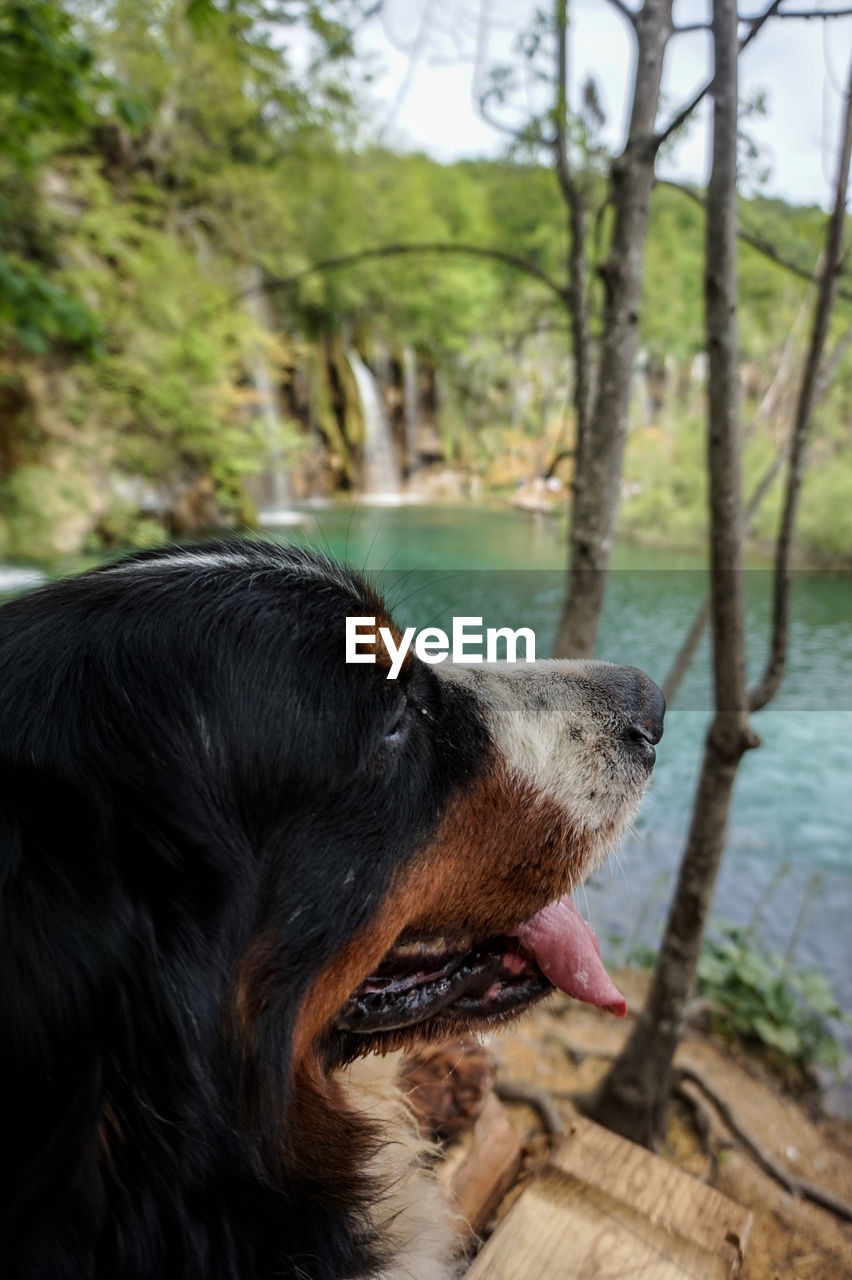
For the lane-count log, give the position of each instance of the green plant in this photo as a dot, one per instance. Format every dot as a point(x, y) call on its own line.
point(755, 998)
point(641, 956)
point(36, 311)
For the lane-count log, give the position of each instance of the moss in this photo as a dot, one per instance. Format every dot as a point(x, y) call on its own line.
point(48, 512)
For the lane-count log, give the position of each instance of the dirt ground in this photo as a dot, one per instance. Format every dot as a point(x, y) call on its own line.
point(565, 1051)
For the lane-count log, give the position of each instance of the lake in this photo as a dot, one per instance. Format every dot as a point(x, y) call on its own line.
point(788, 865)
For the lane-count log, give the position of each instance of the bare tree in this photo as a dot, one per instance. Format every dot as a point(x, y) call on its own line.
point(600, 443)
point(633, 1096)
point(602, 380)
point(602, 371)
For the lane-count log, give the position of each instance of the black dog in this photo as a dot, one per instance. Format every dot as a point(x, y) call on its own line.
point(229, 863)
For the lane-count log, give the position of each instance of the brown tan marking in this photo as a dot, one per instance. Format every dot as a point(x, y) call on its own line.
point(501, 852)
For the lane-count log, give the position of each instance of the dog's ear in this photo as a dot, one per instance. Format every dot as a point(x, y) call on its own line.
point(58, 952)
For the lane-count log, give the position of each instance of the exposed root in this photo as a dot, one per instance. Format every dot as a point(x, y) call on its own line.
point(702, 1119)
point(799, 1187)
point(533, 1096)
point(574, 1050)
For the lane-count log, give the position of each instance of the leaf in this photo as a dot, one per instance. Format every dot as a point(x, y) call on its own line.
point(785, 1039)
point(203, 16)
point(814, 987)
point(132, 111)
point(753, 969)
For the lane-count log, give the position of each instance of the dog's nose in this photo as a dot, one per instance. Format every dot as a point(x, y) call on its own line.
point(647, 709)
point(641, 702)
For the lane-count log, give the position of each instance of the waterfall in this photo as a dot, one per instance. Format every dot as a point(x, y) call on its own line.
point(381, 362)
point(381, 477)
point(279, 494)
point(411, 405)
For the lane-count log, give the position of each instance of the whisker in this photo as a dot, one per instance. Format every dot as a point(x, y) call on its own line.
point(352, 511)
point(378, 530)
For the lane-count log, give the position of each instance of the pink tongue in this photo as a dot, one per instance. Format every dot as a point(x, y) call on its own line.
point(567, 952)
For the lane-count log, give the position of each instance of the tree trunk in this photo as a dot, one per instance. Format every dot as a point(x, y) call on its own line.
point(633, 1097)
point(597, 480)
point(576, 294)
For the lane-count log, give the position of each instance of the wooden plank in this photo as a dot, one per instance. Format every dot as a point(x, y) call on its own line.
point(664, 1194)
point(562, 1229)
point(482, 1170)
point(603, 1209)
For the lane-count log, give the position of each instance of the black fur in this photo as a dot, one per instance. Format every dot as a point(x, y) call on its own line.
point(187, 765)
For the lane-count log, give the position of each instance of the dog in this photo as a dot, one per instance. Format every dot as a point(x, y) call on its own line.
point(230, 864)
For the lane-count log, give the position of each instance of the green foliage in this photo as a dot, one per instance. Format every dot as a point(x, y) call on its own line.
point(757, 1000)
point(641, 956)
point(39, 504)
point(48, 80)
point(37, 312)
point(46, 75)
point(665, 482)
point(150, 153)
point(824, 530)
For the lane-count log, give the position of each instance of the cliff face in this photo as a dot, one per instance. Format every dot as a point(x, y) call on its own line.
point(192, 407)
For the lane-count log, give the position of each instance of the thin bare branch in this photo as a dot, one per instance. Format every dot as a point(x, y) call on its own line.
point(625, 12)
point(823, 15)
point(832, 364)
point(779, 390)
point(758, 242)
point(577, 291)
point(415, 52)
point(776, 662)
point(686, 653)
point(561, 456)
point(755, 26)
point(494, 123)
point(563, 167)
point(689, 27)
point(275, 284)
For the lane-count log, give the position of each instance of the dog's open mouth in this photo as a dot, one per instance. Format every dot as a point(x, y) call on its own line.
point(482, 981)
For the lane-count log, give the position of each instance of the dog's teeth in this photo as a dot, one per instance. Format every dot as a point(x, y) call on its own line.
point(412, 949)
point(428, 948)
point(434, 947)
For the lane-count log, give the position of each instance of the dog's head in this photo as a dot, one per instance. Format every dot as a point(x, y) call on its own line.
point(230, 861)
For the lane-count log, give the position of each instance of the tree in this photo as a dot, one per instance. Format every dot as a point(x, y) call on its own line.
point(603, 368)
point(602, 379)
point(632, 1099)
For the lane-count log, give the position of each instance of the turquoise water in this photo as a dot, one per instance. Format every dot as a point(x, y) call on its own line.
point(793, 800)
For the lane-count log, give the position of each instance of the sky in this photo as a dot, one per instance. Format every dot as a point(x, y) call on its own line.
point(427, 55)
